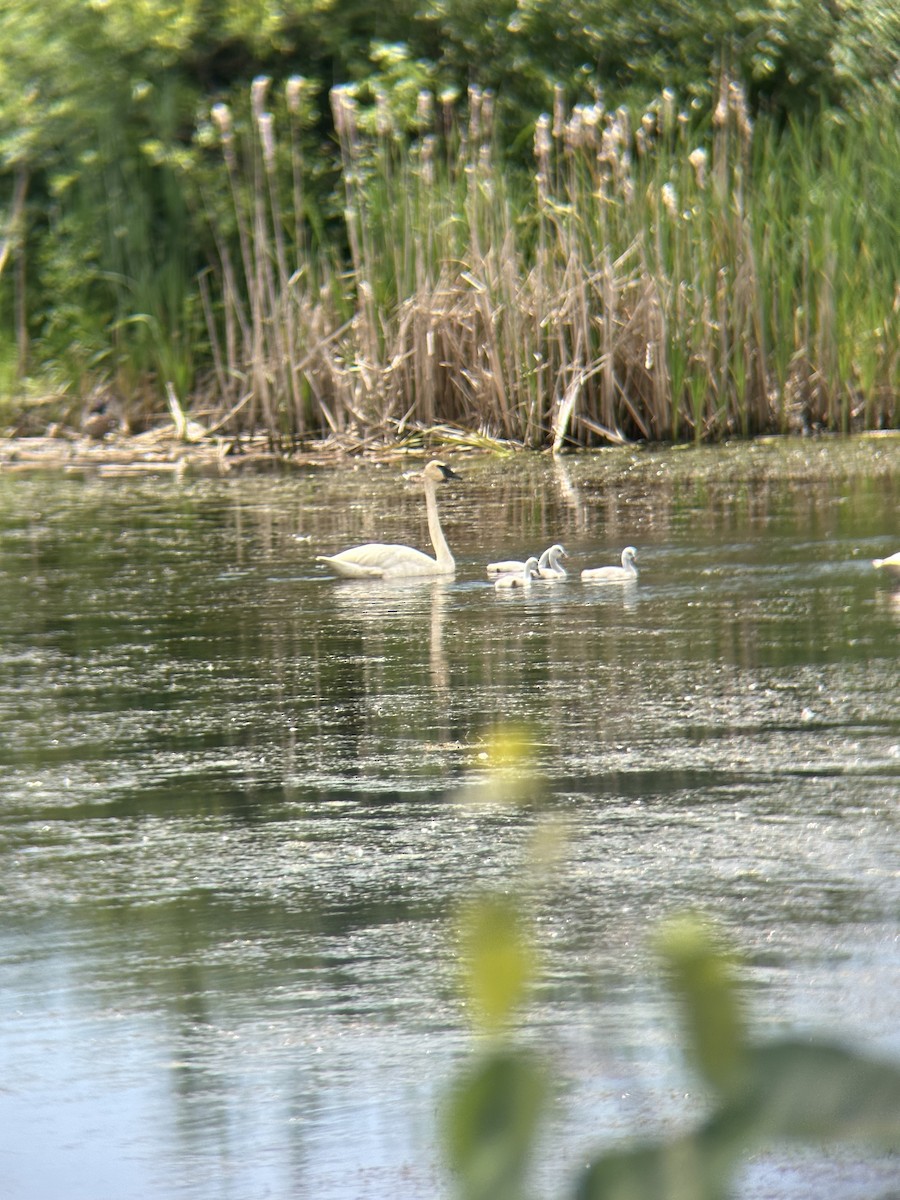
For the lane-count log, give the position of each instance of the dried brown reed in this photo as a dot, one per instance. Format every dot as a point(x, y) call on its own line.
point(640, 286)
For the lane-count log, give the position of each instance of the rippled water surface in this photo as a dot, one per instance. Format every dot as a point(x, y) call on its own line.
point(241, 801)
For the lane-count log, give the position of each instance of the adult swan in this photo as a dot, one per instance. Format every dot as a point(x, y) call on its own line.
point(376, 560)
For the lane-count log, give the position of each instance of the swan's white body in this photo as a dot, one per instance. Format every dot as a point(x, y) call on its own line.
point(548, 566)
point(520, 579)
point(377, 560)
point(627, 573)
point(892, 563)
point(509, 566)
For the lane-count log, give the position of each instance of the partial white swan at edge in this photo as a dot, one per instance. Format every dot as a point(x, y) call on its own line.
point(520, 579)
point(627, 573)
point(377, 560)
point(891, 563)
point(548, 565)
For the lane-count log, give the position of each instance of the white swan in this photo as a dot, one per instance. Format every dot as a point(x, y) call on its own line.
point(548, 562)
point(520, 579)
point(376, 560)
point(509, 566)
point(892, 563)
point(549, 566)
point(627, 573)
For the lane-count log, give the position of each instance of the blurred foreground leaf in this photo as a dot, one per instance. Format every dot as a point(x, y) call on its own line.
point(813, 1092)
point(497, 959)
point(509, 748)
point(790, 1091)
point(780, 1091)
point(491, 1125)
point(684, 1169)
point(511, 779)
point(701, 976)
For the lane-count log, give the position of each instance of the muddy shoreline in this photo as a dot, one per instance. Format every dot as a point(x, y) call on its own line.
point(162, 450)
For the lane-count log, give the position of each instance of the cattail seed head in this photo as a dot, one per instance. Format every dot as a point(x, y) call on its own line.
point(559, 111)
point(447, 100)
point(337, 110)
point(424, 108)
point(608, 153)
point(669, 198)
point(293, 93)
point(428, 148)
point(475, 99)
point(259, 90)
point(593, 115)
point(383, 120)
point(668, 109)
point(573, 129)
point(485, 160)
point(266, 126)
point(221, 115)
point(720, 116)
point(698, 159)
point(487, 113)
point(343, 111)
point(737, 101)
point(542, 141)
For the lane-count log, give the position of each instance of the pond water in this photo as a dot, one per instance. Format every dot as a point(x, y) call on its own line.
point(242, 801)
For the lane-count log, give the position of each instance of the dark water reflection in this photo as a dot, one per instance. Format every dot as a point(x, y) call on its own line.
point(241, 800)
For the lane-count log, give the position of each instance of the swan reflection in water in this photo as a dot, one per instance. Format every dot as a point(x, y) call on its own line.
point(890, 602)
point(412, 605)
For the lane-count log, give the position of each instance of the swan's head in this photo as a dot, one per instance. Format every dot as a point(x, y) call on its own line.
point(629, 554)
point(436, 471)
point(557, 551)
point(530, 568)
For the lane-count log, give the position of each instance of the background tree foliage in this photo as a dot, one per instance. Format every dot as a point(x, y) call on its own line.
point(104, 124)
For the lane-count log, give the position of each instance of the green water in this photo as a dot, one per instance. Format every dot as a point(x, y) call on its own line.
point(241, 801)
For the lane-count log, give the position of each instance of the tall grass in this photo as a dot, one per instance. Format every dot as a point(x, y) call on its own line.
point(641, 279)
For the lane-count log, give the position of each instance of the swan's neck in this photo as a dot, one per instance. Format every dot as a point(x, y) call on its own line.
point(441, 549)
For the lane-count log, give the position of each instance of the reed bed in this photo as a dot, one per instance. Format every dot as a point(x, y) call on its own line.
point(638, 279)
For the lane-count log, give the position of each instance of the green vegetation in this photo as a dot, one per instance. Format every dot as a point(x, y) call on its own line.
point(782, 1091)
point(757, 1094)
point(697, 240)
